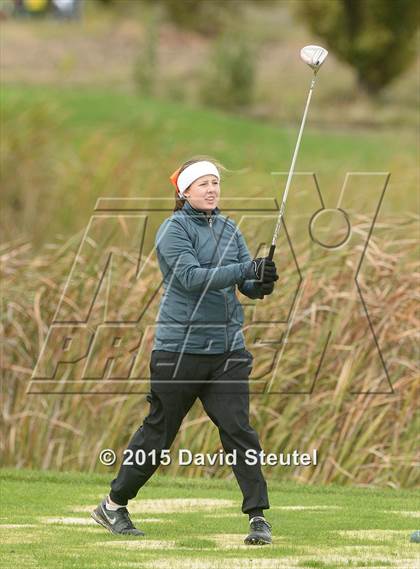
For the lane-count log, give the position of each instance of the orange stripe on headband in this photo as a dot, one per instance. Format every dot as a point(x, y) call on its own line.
point(174, 178)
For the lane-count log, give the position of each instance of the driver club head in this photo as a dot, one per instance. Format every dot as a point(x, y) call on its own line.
point(314, 56)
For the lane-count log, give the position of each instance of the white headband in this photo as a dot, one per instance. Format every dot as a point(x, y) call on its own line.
point(193, 172)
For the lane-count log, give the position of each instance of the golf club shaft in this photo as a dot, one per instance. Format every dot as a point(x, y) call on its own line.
point(289, 177)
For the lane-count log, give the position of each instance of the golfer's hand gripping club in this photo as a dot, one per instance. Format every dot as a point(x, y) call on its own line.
point(263, 270)
point(266, 288)
point(265, 273)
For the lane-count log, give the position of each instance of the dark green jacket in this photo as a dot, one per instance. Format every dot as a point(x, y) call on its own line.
point(202, 259)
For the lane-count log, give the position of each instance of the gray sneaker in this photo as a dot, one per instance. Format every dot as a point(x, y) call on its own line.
point(415, 536)
point(117, 521)
point(260, 533)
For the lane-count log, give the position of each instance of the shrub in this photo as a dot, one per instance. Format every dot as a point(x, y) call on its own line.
point(146, 63)
point(230, 79)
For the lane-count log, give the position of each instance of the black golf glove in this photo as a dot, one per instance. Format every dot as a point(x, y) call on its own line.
point(264, 270)
point(265, 288)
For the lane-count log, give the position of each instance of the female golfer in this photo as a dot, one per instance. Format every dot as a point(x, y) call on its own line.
point(199, 347)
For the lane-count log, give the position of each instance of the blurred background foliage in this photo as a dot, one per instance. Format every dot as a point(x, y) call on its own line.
point(107, 102)
point(133, 60)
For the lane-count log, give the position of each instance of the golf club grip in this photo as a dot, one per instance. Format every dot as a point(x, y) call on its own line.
point(271, 252)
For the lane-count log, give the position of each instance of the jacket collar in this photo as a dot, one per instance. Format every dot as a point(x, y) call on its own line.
point(198, 214)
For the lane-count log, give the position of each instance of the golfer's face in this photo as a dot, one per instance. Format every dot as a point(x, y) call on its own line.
point(204, 193)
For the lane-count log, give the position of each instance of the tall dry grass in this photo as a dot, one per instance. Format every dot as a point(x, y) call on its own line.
point(362, 438)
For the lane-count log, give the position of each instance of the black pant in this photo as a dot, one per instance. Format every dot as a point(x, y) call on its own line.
point(223, 389)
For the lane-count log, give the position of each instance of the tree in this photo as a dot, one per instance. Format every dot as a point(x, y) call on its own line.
point(376, 37)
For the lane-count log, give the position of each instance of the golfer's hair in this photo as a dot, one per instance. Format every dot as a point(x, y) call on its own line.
point(179, 202)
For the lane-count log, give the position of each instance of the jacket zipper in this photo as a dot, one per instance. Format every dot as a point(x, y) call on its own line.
point(210, 222)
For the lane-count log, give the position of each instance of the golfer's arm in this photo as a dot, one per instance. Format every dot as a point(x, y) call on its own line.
point(249, 288)
point(176, 248)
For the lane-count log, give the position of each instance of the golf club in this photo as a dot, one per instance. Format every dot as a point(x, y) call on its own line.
point(314, 56)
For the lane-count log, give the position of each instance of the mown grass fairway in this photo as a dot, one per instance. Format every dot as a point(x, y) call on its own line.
point(45, 523)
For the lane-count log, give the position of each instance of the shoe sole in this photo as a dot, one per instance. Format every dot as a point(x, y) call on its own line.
point(256, 541)
point(102, 522)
